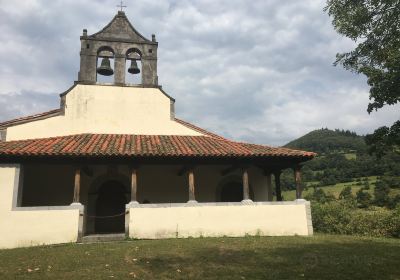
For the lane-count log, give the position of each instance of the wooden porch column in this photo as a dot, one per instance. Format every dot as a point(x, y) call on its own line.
point(277, 175)
point(246, 188)
point(297, 179)
point(133, 184)
point(192, 196)
point(77, 186)
point(270, 195)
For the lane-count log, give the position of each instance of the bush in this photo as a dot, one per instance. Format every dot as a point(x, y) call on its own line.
point(366, 186)
point(341, 217)
point(330, 217)
point(381, 193)
point(363, 199)
point(394, 202)
point(319, 195)
point(346, 194)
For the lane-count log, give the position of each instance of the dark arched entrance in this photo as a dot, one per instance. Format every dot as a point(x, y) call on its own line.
point(111, 201)
point(233, 192)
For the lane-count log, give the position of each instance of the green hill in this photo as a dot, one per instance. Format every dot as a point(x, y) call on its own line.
point(342, 158)
point(323, 141)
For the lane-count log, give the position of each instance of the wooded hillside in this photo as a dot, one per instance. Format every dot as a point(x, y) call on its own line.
point(342, 157)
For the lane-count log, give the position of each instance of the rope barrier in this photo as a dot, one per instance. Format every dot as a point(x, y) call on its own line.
point(106, 217)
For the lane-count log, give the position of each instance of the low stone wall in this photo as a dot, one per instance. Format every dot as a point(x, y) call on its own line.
point(30, 226)
point(152, 221)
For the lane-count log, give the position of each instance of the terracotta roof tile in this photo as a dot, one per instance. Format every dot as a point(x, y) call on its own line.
point(116, 145)
point(30, 118)
point(198, 129)
point(113, 145)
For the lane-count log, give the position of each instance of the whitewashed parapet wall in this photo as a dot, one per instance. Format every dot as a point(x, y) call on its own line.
point(220, 219)
point(30, 226)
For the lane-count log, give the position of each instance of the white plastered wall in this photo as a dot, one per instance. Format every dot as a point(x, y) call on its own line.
point(207, 218)
point(107, 110)
point(20, 227)
point(216, 220)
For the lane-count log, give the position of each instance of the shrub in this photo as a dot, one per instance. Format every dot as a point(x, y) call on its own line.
point(366, 186)
point(319, 195)
point(381, 193)
point(346, 193)
point(341, 217)
point(379, 222)
point(394, 202)
point(330, 217)
point(363, 199)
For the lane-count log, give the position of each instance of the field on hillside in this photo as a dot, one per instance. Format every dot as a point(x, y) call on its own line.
point(336, 189)
point(342, 157)
point(318, 257)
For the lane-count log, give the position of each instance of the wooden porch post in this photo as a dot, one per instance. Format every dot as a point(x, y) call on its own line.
point(277, 175)
point(192, 196)
point(246, 188)
point(77, 186)
point(297, 179)
point(133, 184)
point(270, 195)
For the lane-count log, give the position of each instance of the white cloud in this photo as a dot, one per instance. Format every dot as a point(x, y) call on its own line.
point(256, 70)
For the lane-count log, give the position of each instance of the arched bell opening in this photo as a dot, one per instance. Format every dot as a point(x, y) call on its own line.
point(105, 65)
point(133, 67)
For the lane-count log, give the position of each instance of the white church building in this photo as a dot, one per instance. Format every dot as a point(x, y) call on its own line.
point(114, 159)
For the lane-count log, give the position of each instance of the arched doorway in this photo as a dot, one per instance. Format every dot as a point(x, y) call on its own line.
point(111, 201)
point(232, 192)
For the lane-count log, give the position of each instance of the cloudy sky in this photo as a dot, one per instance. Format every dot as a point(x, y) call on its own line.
point(257, 70)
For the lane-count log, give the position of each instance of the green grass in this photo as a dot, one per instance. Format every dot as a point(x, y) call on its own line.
point(336, 189)
point(318, 257)
point(350, 156)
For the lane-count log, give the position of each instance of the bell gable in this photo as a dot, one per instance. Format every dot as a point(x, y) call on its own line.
point(120, 28)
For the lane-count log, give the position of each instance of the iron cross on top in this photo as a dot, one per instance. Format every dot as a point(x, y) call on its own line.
point(121, 6)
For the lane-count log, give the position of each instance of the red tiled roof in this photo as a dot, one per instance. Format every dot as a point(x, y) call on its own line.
point(116, 145)
point(30, 118)
point(198, 129)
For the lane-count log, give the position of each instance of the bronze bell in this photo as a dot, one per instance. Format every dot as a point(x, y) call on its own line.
point(105, 67)
point(134, 69)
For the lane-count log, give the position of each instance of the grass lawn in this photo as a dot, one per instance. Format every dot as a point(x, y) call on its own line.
point(350, 156)
point(318, 257)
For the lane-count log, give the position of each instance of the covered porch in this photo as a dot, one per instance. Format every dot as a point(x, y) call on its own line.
point(116, 196)
point(151, 187)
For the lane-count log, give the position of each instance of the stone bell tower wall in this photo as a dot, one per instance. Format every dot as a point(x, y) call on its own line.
point(120, 38)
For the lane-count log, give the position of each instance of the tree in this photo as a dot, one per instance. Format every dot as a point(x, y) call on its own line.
point(375, 26)
point(394, 202)
point(363, 199)
point(384, 139)
point(346, 194)
point(319, 195)
point(366, 185)
point(381, 193)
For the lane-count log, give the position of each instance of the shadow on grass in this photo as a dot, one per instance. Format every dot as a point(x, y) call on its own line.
point(358, 260)
point(327, 257)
